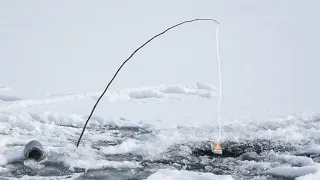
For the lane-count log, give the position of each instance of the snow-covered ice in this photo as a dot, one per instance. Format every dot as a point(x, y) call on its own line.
point(253, 149)
point(185, 175)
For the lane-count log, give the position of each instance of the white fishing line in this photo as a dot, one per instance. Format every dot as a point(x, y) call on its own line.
point(220, 84)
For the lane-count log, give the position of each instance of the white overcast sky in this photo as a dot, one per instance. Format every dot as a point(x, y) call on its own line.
point(269, 50)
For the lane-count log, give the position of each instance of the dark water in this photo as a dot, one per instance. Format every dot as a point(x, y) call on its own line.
point(234, 160)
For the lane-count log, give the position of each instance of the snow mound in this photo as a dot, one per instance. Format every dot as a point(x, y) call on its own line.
point(127, 146)
point(13, 156)
point(208, 87)
point(294, 160)
point(164, 174)
point(310, 176)
point(88, 159)
point(30, 163)
point(4, 88)
point(9, 98)
point(140, 93)
point(39, 122)
point(3, 169)
point(26, 177)
point(291, 172)
point(161, 91)
point(148, 93)
point(313, 151)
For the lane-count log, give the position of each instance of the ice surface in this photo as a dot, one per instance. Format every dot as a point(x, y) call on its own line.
point(185, 175)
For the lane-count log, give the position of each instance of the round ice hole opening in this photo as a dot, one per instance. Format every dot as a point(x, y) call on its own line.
point(35, 154)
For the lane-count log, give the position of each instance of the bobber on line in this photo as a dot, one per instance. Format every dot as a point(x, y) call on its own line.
point(217, 149)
